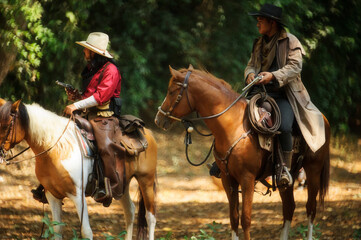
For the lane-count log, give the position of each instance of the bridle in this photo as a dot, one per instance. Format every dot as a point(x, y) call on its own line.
point(10, 131)
point(11, 126)
point(188, 123)
point(184, 88)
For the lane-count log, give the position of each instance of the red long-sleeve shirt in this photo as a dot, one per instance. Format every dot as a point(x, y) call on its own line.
point(106, 88)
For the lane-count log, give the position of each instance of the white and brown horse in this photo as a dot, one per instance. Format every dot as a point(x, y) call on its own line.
point(194, 90)
point(63, 170)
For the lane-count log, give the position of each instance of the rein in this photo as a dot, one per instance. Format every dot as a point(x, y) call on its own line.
point(189, 125)
point(184, 87)
point(8, 161)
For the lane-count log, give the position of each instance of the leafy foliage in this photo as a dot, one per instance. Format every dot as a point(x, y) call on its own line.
point(302, 231)
point(147, 36)
point(118, 237)
point(49, 232)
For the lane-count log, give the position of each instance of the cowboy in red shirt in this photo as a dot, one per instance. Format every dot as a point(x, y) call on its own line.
point(97, 92)
point(101, 84)
point(100, 100)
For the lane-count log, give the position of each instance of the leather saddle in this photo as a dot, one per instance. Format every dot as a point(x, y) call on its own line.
point(130, 134)
point(264, 116)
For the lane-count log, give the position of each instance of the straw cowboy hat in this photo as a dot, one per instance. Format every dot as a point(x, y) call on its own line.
point(269, 11)
point(98, 43)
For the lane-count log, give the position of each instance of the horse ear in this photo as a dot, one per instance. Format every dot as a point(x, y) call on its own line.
point(15, 106)
point(2, 102)
point(190, 67)
point(176, 74)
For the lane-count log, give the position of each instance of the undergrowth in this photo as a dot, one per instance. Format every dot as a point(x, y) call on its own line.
point(346, 147)
point(302, 231)
point(50, 234)
point(208, 234)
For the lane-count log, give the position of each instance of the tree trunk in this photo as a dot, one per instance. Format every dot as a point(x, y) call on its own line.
point(7, 60)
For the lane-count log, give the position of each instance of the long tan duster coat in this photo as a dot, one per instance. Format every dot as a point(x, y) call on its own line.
point(289, 56)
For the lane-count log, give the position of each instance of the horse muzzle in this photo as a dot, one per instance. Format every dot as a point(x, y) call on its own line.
point(162, 121)
point(3, 155)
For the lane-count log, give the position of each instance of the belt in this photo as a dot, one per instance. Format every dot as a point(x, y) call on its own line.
point(102, 110)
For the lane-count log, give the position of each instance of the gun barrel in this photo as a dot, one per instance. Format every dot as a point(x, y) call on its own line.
point(65, 85)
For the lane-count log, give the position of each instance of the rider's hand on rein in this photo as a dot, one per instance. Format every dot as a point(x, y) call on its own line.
point(69, 109)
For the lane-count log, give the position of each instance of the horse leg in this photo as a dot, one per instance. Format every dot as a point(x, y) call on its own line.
point(82, 210)
point(129, 211)
point(147, 187)
point(231, 188)
point(56, 208)
point(247, 199)
point(313, 186)
point(288, 208)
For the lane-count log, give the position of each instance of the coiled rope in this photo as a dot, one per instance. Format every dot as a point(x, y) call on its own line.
point(258, 126)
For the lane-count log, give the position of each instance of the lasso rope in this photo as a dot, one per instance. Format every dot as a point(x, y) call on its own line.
point(276, 114)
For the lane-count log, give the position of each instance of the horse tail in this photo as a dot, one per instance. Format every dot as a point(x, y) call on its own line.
point(142, 221)
point(325, 173)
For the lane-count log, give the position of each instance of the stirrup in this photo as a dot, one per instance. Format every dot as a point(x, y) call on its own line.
point(104, 195)
point(286, 178)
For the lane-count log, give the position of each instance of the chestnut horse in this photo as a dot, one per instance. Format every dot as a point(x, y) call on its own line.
point(63, 170)
point(194, 90)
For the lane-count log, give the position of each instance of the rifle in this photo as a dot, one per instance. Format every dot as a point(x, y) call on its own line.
point(65, 85)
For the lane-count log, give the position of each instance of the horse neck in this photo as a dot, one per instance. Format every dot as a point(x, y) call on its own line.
point(45, 128)
point(212, 98)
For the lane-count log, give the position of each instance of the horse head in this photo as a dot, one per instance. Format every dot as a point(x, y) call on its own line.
point(13, 122)
point(178, 101)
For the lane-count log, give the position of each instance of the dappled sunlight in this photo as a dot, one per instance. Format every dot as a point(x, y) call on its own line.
point(187, 199)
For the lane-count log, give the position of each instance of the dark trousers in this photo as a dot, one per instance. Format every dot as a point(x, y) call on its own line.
point(287, 119)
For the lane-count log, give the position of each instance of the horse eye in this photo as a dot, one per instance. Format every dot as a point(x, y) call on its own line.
point(172, 90)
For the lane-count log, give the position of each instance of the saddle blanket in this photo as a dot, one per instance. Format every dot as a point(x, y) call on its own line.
point(85, 145)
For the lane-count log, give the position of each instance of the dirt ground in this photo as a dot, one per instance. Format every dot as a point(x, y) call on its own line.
point(188, 200)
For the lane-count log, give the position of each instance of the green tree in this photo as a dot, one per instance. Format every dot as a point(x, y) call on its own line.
point(37, 39)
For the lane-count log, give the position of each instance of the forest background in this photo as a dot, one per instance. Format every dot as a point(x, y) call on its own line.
point(37, 39)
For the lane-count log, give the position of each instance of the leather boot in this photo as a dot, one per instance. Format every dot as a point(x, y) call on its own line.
point(104, 130)
point(286, 178)
point(39, 194)
point(214, 170)
point(111, 171)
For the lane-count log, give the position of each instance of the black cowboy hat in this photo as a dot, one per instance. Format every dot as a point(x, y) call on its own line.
point(269, 11)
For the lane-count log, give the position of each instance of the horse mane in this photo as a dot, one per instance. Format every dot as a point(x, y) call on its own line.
point(213, 80)
point(45, 126)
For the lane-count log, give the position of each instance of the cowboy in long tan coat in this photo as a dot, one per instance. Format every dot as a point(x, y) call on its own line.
point(277, 56)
